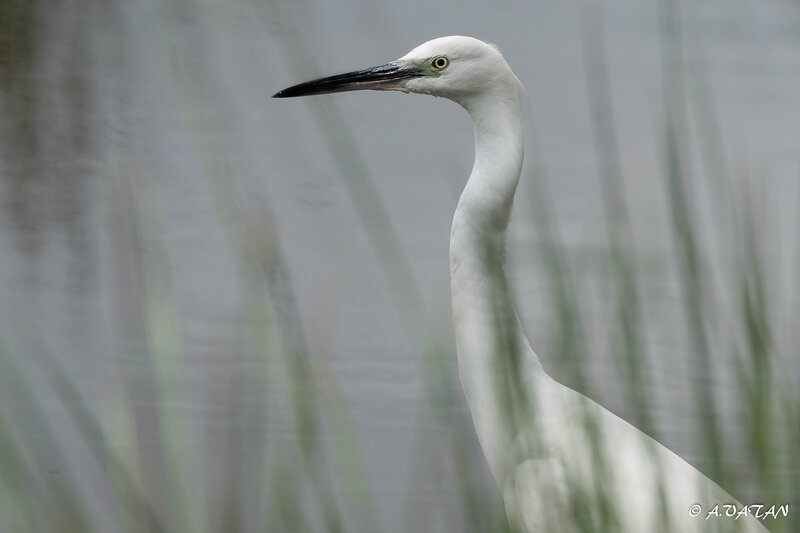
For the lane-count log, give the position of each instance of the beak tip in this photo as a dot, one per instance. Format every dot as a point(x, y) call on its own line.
point(291, 92)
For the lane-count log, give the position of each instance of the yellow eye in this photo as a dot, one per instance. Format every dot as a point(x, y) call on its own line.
point(439, 63)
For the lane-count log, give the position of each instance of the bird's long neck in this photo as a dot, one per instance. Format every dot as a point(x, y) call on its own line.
point(489, 338)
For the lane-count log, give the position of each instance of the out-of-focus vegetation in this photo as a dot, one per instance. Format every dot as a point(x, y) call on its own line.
point(277, 484)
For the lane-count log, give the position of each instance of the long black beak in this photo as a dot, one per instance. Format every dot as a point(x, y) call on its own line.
point(383, 77)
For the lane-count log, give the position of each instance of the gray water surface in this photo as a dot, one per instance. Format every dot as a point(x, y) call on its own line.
point(140, 146)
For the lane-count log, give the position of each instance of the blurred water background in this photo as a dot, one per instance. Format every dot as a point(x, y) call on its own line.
point(223, 312)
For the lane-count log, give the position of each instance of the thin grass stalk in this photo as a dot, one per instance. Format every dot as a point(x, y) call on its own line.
point(691, 267)
point(633, 352)
point(311, 406)
point(568, 332)
point(19, 490)
point(57, 505)
point(164, 349)
point(759, 351)
point(106, 457)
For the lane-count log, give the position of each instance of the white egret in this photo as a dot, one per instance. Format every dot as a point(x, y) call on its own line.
point(562, 462)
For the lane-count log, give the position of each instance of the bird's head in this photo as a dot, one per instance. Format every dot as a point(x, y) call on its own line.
point(456, 67)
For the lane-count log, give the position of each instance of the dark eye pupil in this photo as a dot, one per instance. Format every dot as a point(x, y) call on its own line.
point(440, 62)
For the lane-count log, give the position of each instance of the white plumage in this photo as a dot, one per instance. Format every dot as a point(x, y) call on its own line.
point(562, 462)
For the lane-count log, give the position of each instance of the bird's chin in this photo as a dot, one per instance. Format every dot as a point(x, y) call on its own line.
point(395, 88)
point(417, 86)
